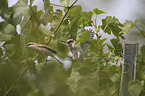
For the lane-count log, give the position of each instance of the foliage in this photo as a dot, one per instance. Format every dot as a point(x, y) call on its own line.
point(135, 86)
point(21, 74)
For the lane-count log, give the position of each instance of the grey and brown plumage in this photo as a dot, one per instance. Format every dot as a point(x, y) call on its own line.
point(42, 49)
point(79, 50)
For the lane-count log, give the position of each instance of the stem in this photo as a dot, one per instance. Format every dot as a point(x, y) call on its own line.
point(13, 85)
point(61, 21)
point(138, 28)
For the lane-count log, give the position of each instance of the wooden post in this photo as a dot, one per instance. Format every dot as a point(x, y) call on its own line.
point(128, 67)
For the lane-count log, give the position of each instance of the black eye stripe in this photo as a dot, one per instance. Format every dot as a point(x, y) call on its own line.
point(71, 41)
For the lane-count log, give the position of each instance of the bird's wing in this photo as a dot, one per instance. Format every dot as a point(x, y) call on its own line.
point(63, 43)
point(43, 46)
point(84, 46)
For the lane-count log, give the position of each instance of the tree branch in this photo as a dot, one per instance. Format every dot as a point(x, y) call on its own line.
point(61, 21)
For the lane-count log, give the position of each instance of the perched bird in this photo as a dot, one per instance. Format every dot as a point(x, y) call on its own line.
point(42, 49)
point(79, 50)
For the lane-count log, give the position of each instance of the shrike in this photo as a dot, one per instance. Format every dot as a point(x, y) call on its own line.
point(42, 49)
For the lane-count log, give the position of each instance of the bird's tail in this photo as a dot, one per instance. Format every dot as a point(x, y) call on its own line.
point(57, 60)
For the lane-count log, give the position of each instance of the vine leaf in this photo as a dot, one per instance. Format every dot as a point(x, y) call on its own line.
point(128, 25)
point(113, 25)
point(76, 11)
point(64, 2)
point(20, 9)
point(31, 66)
point(85, 20)
point(135, 87)
point(84, 36)
point(117, 46)
point(45, 18)
point(97, 11)
point(7, 31)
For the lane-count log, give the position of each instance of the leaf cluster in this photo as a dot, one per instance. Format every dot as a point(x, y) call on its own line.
point(22, 72)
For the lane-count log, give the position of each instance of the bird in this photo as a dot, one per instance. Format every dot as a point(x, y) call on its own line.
point(79, 50)
point(42, 49)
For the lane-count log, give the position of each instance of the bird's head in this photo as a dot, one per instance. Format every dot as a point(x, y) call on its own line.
point(70, 42)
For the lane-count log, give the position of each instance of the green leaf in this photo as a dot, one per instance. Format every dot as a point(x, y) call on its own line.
point(6, 13)
point(7, 31)
point(89, 82)
point(73, 80)
point(114, 41)
point(10, 49)
point(46, 5)
point(76, 11)
point(31, 1)
point(36, 35)
point(143, 51)
point(142, 33)
point(114, 77)
point(85, 20)
point(3, 4)
point(137, 20)
point(64, 2)
point(20, 9)
point(48, 15)
point(109, 47)
point(117, 46)
point(111, 24)
point(62, 50)
point(135, 87)
point(31, 66)
point(24, 86)
point(128, 25)
point(73, 28)
point(101, 41)
point(84, 36)
point(97, 11)
point(94, 46)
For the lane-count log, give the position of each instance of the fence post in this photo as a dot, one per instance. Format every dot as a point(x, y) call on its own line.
point(130, 52)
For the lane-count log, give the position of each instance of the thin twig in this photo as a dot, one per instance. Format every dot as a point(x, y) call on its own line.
point(14, 84)
point(61, 21)
point(5, 88)
point(138, 28)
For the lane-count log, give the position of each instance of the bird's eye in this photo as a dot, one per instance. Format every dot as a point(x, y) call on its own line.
point(68, 42)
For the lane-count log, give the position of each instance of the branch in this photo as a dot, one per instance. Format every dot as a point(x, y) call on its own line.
point(61, 21)
point(14, 84)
